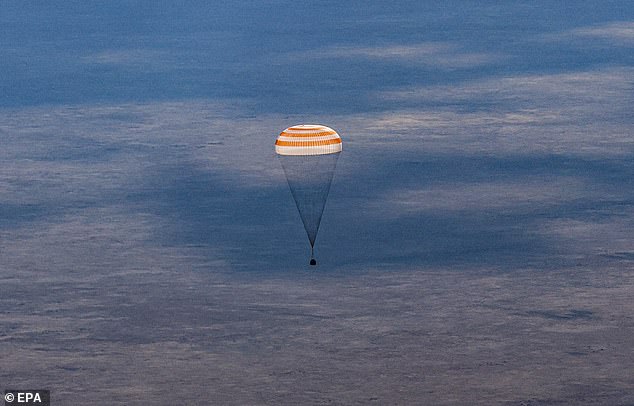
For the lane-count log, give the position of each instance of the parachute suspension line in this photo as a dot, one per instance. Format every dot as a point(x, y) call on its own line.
point(309, 178)
point(312, 255)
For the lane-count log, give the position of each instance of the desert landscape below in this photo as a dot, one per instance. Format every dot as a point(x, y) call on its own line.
point(476, 247)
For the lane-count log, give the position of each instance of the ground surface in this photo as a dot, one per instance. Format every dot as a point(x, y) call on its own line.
point(476, 248)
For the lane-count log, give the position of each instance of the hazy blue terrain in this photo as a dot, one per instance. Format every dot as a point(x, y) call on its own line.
point(476, 248)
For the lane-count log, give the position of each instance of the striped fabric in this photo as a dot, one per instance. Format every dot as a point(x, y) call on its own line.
point(308, 139)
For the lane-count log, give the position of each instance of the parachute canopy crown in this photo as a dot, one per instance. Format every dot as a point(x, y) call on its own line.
point(308, 139)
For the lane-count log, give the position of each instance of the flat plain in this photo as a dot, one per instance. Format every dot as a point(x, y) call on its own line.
point(476, 247)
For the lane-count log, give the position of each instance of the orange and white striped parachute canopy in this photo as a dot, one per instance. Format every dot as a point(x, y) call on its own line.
point(308, 139)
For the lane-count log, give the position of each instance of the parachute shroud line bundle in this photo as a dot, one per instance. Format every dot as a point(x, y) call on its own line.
point(309, 155)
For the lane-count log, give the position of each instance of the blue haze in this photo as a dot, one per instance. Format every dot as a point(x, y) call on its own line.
point(486, 179)
point(290, 59)
point(253, 50)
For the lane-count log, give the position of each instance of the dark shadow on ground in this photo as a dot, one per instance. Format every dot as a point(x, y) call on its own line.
point(364, 227)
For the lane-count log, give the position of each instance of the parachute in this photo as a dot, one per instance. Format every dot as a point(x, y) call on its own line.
point(309, 155)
